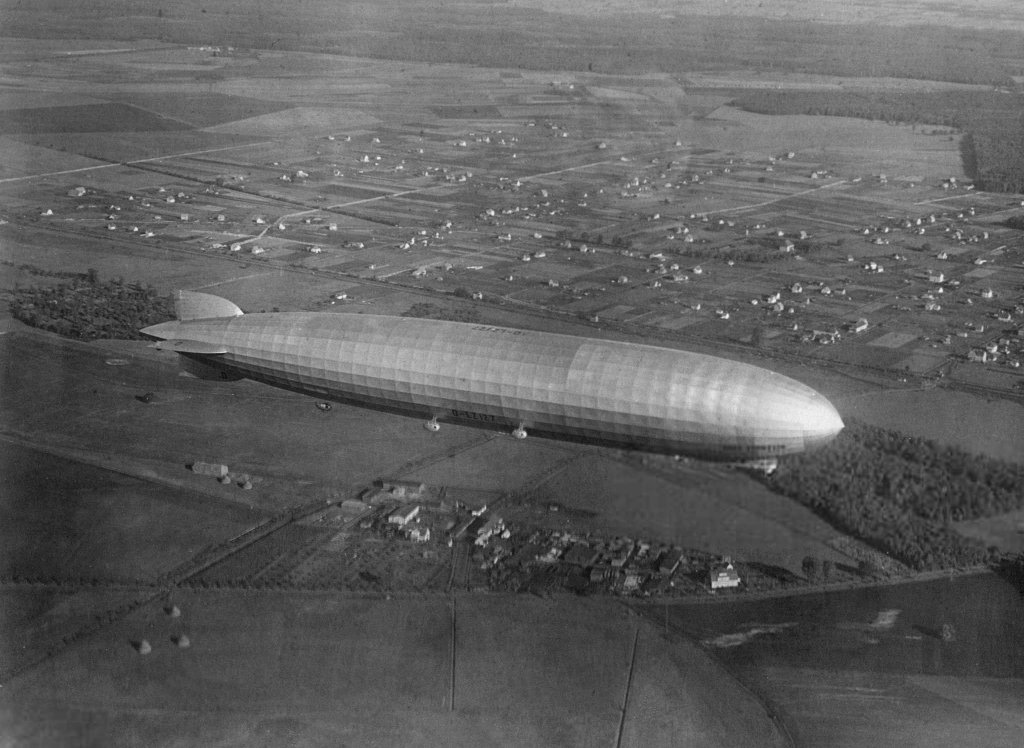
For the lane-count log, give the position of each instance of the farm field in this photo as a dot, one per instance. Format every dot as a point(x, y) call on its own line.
point(816, 659)
point(63, 520)
point(977, 425)
point(685, 505)
point(248, 678)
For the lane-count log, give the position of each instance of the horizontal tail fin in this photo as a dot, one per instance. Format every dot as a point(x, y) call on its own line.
point(194, 305)
point(190, 346)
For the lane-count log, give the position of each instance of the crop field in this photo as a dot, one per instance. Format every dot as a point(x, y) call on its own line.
point(85, 118)
point(64, 520)
point(50, 252)
point(990, 427)
point(833, 677)
point(261, 562)
point(36, 619)
point(295, 121)
point(370, 566)
point(204, 110)
point(23, 159)
point(130, 146)
point(374, 672)
point(495, 464)
point(684, 505)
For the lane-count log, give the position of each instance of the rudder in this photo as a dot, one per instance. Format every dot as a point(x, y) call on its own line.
point(190, 305)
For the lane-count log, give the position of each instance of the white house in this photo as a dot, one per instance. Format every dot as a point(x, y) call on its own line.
point(724, 575)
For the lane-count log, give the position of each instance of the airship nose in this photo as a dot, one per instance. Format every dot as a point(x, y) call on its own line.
point(821, 422)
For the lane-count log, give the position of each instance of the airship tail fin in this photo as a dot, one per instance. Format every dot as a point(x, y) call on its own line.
point(190, 305)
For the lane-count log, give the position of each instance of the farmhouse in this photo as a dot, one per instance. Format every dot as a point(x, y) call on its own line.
point(724, 575)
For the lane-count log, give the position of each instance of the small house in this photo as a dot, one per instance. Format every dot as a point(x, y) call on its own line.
point(724, 575)
point(419, 533)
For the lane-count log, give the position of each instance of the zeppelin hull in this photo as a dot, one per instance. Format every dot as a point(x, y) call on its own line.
point(608, 392)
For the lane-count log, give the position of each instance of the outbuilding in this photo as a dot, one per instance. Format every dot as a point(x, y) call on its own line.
point(401, 489)
point(403, 515)
point(419, 533)
point(724, 575)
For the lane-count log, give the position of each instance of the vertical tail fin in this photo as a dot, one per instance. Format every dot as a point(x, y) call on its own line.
point(194, 305)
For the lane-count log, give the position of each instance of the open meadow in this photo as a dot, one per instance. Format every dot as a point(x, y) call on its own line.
point(318, 669)
point(935, 663)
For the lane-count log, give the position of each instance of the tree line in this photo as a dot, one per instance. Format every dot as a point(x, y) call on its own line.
point(901, 494)
point(992, 151)
point(88, 308)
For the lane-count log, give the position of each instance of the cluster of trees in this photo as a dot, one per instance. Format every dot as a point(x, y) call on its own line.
point(764, 249)
point(921, 108)
point(42, 272)
point(901, 493)
point(88, 308)
point(816, 569)
point(998, 150)
point(1015, 222)
point(1011, 568)
point(585, 237)
point(433, 311)
point(992, 150)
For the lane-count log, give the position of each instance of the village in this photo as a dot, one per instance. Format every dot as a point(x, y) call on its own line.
point(771, 253)
point(421, 525)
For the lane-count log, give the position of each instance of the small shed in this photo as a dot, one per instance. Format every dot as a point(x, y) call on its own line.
point(403, 515)
point(401, 489)
point(419, 533)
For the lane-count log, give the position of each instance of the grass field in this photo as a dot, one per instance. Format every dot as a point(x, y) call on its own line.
point(716, 510)
point(974, 423)
point(1006, 531)
point(129, 145)
point(34, 619)
point(168, 270)
point(297, 120)
point(63, 520)
point(836, 680)
point(85, 118)
point(22, 159)
point(270, 669)
point(498, 464)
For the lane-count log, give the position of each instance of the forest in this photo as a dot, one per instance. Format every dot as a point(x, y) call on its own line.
point(900, 494)
point(992, 150)
point(88, 308)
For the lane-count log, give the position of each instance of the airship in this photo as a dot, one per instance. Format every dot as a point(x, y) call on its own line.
point(620, 394)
